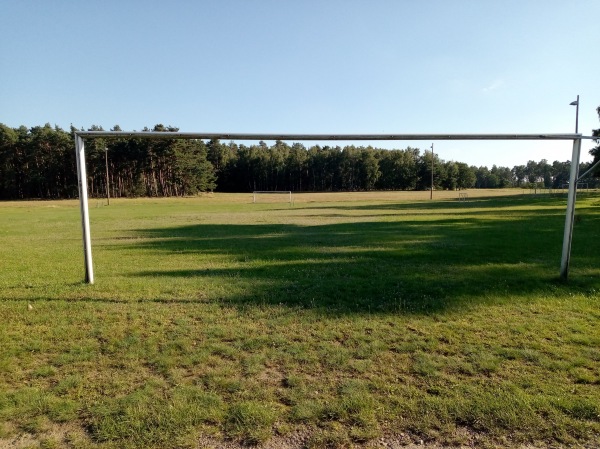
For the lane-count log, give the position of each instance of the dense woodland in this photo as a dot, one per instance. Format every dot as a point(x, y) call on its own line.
point(39, 163)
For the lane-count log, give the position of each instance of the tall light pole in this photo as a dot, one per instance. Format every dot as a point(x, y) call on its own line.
point(431, 191)
point(576, 104)
point(570, 215)
point(107, 182)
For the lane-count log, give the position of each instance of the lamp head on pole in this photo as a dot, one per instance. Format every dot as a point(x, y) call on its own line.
point(576, 104)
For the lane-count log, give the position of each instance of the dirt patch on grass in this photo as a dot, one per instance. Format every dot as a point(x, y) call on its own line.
point(304, 440)
point(57, 435)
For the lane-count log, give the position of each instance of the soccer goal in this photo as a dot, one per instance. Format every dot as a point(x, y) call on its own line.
point(272, 196)
point(82, 176)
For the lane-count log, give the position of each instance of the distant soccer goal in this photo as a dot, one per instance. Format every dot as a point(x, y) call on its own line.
point(272, 196)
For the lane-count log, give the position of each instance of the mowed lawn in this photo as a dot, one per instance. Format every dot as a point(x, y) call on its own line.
point(341, 320)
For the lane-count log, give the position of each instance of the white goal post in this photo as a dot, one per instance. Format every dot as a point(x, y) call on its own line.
point(269, 192)
point(82, 176)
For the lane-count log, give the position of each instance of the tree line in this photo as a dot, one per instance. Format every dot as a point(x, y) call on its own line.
point(39, 162)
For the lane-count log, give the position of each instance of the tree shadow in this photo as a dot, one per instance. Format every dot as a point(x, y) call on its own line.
point(406, 266)
point(495, 202)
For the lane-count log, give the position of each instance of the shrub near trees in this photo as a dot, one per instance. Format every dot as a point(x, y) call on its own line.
point(39, 162)
point(596, 151)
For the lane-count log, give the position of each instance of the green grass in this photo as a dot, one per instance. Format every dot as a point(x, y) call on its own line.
point(346, 321)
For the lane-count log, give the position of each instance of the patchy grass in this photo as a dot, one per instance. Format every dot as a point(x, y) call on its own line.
point(349, 317)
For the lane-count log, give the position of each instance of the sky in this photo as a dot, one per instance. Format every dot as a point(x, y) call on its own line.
point(310, 66)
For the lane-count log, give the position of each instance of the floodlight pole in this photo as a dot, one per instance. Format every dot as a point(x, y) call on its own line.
point(107, 182)
point(570, 216)
point(83, 203)
point(431, 191)
point(576, 104)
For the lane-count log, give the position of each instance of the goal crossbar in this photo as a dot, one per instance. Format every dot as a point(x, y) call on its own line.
point(82, 176)
point(271, 136)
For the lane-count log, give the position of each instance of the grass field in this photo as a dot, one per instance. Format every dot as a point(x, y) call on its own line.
point(344, 320)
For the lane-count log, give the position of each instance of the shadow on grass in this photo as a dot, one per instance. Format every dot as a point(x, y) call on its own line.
point(436, 206)
point(407, 266)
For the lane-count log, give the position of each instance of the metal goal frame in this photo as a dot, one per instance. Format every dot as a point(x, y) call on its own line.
point(80, 137)
point(274, 192)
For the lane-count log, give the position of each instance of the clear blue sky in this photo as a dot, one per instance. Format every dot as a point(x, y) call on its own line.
point(311, 66)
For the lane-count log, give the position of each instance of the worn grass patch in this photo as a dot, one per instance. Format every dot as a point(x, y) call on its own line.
point(351, 320)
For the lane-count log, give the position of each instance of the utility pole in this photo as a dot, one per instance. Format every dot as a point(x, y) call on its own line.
point(431, 191)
